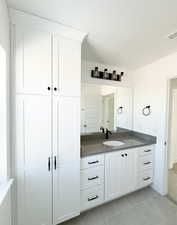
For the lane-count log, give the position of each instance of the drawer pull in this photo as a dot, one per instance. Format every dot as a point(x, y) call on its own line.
point(147, 178)
point(147, 163)
point(91, 199)
point(93, 162)
point(93, 178)
point(149, 150)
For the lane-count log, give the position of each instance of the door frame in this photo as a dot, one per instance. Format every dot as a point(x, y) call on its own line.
point(167, 133)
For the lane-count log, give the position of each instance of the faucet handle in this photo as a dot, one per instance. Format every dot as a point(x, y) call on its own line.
point(102, 129)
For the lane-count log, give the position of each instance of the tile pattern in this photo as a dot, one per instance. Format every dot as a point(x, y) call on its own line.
point(144, 207)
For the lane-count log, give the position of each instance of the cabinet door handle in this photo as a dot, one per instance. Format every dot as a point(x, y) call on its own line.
point(48, 88)
point(91, 199)
point(147, 178)
point(48, 163)
point(149, 150)
point(55, 89)
point(55, 162)
point(122, 155)
point(93, 162)
point(126, 154)
point(147, 163)
point(93, 178)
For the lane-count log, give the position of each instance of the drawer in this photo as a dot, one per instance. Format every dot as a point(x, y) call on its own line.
point(92, 197)
point(92, 161)
point(145, 163)
point(143, 151)
point(92, 177)
point(145, 178)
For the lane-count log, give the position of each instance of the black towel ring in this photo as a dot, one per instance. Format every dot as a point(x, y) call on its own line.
point(146, 110)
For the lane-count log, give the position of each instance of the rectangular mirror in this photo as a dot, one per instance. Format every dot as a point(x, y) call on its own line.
point(105, 106)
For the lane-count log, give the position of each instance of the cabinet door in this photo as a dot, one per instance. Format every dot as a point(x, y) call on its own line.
point(66, 66)
point(130, 172)
point(33, 162)
point(66, 155)
point(114, 175)
point(32, 61)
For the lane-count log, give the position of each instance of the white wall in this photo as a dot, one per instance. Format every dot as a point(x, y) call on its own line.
point(150, 88)
point(5, 207)
point(4, 58)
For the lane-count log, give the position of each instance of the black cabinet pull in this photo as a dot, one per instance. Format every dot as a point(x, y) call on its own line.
point(147, 163)
point(126, 154)
point(55, 89)
point(147, 178)
point(48, 163)
point(122, 155)
point(55, 162)
point(93, 162)
point(93, 178)
point(48, 88)
point(147, 150)
point(91, 199)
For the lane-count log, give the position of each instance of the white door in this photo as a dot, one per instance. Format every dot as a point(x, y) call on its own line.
point(66, 158)
point(66, 66)
point(114, 175)
point(33, 160)
point(33, 61)
point(92, 108)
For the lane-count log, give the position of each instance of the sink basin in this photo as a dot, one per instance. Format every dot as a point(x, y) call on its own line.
point(113, 143)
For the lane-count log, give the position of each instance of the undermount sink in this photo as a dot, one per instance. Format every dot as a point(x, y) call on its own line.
point(113, 143)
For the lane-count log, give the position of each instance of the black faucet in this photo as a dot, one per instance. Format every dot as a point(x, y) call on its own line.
point(102, 129)
point(107, 133)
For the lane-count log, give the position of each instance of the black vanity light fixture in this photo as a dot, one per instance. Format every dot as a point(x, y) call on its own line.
point(146, 111)
point(105, 75)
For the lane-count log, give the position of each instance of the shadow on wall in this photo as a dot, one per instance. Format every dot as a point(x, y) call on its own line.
point(90, 53)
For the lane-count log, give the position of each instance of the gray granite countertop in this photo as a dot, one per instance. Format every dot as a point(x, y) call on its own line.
point(93, 143)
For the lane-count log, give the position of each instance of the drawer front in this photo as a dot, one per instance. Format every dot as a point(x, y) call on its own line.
point(145, 163)
point(92, 161)
point(92, 197)
point(143, 151)
point(145, 178)
point(92, 177)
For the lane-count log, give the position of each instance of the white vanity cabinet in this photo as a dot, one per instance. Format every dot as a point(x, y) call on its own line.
point(124, 172)
point(120, 173)
point(47, 72)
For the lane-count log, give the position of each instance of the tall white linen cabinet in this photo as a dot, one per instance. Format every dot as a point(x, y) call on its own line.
point(46, 75)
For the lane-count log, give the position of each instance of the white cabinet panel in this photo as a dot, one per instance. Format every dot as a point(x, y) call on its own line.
point(114, 173)
point(66, 66)
point(92, 161)
point(145, 178)
point(120, 173)
point(130, 173)
point(66, 149)
point(92, 177)
point(32, 61)
point(66, 192)
point(66, 129)
point(92, 197)
point(33, 149)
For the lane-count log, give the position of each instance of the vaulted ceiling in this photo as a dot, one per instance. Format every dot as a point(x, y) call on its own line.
point(125, 33)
